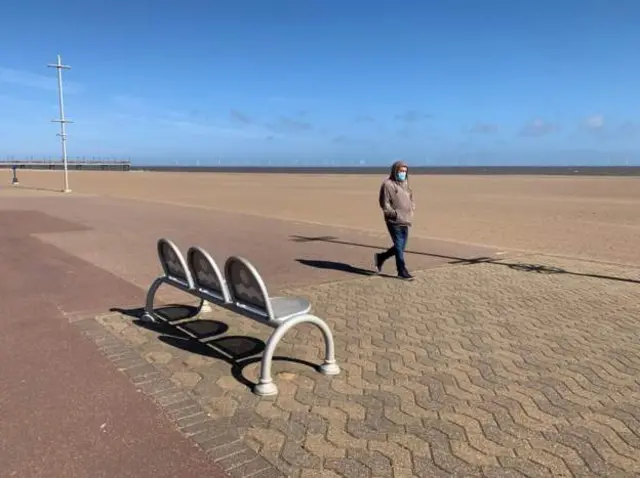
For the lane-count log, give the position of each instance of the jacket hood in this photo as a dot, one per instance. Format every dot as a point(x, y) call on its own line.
point(394, 169)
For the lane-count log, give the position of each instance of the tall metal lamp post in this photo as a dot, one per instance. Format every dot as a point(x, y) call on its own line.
point(63, 134)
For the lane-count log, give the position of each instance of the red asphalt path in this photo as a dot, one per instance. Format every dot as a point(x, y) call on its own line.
point(65, 411)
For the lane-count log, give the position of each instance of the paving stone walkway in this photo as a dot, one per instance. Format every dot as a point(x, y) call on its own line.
point(528, 366)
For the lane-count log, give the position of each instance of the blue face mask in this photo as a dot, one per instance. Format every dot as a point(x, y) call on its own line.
point(401, 175)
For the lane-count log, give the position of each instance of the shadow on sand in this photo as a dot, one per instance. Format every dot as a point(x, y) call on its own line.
point(335, 266)
point(537, 268)
point(34, 188)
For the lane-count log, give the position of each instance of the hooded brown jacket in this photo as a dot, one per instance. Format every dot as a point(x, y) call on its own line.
point(396, 198)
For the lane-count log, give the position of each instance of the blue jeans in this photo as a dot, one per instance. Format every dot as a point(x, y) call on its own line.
point(399, 236)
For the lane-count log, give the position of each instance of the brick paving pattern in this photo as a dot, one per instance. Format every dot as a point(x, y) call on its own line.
point(529, 366)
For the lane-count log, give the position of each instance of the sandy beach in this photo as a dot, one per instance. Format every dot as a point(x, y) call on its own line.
point(597, 218)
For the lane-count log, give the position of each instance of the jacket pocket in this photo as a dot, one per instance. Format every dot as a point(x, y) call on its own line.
point(403, 217)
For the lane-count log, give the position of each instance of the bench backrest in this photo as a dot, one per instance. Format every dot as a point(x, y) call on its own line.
point(247, 288)
point(173, 263)
point(206, 274)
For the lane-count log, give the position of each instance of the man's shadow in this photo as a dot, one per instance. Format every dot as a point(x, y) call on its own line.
point(335, 266)
point(342, 267)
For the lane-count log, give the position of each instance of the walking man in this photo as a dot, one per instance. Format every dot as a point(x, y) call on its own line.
point(396, 202)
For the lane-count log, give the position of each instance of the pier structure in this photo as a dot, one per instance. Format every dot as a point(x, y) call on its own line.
point(77, 165)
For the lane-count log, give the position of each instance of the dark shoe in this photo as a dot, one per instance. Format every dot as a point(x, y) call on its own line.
point(405, 275)
point(377, 262)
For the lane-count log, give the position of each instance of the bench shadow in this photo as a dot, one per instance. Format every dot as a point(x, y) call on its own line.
point(335, 266)
point(237, 351)
point(180, 328)
point(176, 320)
point(230, 348)
point(169, 313)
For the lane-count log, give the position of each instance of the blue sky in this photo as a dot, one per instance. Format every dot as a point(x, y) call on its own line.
point(325, 82)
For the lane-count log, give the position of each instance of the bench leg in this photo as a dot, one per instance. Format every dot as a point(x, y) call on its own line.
point(148, 307)
point(205, 307)
point(266, 386)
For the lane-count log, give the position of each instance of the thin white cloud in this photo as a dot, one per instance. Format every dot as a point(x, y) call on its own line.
point(287, 100)
point(285, 124)
point(128, 102)
point(484, 128)
point(629, 130)
point(365, 119)
point(203, 129)
point(193, 122)
point(594, 122)
point(412, 116)
point(180, 124)
point(239, 116)
point(538, 127)
point(8, 100)
point(37, 81)
point(136, 106)
point(596, 126)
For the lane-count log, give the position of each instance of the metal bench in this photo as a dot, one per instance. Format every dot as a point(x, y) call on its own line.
point(241, 290)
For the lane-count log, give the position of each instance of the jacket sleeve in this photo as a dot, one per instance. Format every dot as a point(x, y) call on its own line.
point(385, 202)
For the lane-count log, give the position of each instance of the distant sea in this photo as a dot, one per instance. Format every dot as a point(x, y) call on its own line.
point(377, 170)
point(471, 170)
